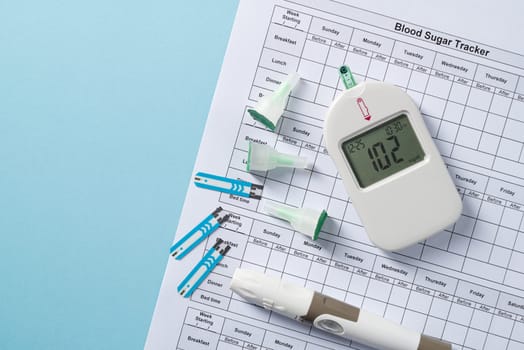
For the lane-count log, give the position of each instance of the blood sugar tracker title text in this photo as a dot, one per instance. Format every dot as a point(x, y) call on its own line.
point(440, 40)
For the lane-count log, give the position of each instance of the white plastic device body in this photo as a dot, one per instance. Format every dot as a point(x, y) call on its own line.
point(303, 304)
point(409, 205)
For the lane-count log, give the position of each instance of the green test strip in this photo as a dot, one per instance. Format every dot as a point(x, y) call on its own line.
point(347, 77)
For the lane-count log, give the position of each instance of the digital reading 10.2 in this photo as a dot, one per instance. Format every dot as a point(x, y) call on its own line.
point(382, 151)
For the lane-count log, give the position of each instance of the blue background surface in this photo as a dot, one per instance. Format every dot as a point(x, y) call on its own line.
point(102, 106)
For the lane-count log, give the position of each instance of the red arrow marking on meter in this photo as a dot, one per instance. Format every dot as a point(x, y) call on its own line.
point(363, 108)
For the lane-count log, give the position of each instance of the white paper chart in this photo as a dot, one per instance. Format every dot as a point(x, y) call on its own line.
point(465, 285)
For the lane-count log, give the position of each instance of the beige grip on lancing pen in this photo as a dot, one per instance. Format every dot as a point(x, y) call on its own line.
point(329, 314)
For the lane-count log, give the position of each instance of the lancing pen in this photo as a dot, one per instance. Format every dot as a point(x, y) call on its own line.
point(328, 314)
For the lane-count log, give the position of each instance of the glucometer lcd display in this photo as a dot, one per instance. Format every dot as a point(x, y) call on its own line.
point(383, 151)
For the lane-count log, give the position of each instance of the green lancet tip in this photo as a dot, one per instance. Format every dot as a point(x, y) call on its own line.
point(248, 156)
point(320, 222)
point(260, 118)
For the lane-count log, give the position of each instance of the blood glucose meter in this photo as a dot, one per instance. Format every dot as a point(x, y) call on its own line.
point(391, 168)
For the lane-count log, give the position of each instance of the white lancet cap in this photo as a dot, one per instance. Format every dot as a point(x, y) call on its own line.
point(304, 220)
point(270, 107)
point(264, 157)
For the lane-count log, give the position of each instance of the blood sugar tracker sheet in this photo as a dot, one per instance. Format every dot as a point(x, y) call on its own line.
point(464, 285)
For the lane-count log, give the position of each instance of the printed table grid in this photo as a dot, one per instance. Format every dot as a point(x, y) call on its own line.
point(234, 336)
point(229, 334)
point(458, 109)
point(467, 117)
point(490, 255)
point(416, 305)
